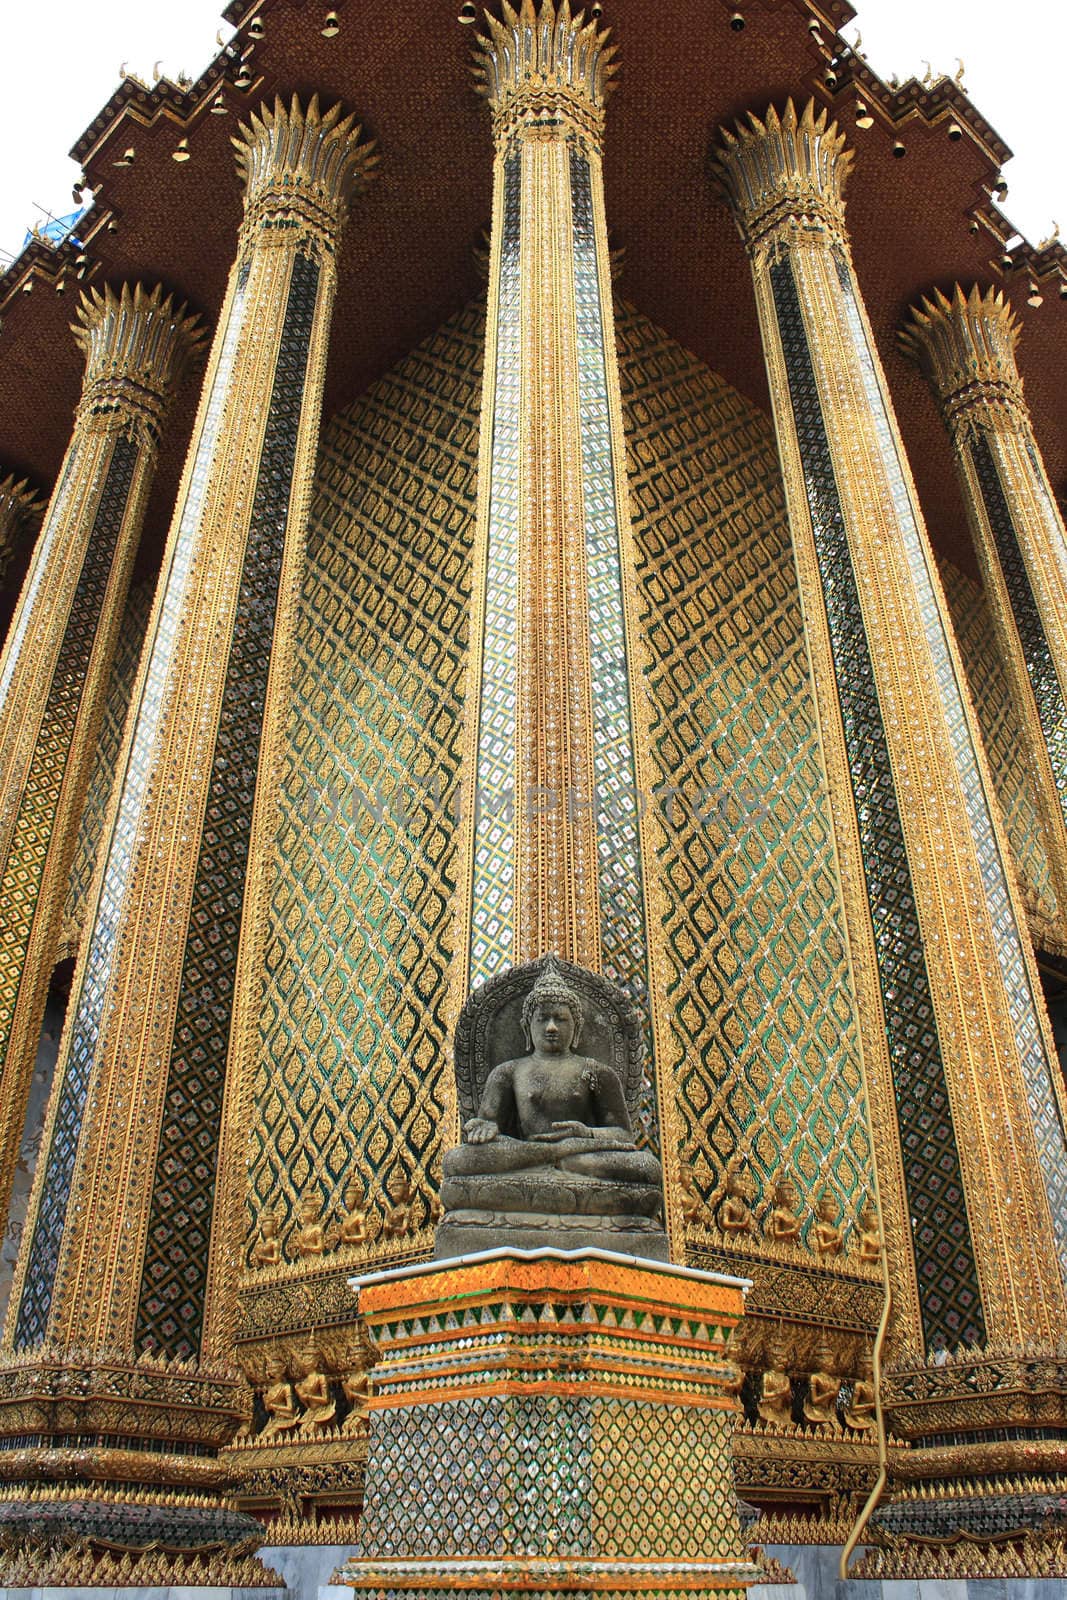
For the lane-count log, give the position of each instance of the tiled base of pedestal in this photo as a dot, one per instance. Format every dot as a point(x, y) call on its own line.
point(546, 1423)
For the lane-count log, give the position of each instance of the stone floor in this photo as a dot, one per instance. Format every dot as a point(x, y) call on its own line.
point(816, 1571)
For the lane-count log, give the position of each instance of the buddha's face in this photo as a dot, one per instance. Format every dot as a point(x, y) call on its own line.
point(552, 1028)
point(827, 1210)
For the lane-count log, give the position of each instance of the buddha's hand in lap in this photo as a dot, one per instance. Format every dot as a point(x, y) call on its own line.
point(562, 1130)
point(582, 1136)
point(480, 1130)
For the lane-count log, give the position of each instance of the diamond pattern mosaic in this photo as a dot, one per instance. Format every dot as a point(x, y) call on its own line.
point(23, 871)
point(1026, 1005)
point(355, 1071)
point(102, 776)
point(493, 900)
point(1001, 733)
point(766, 1055)
point(179, 1226)
point(944, 1253)
point(622, 920)
point(551, 1475)
point(1040, 667)
point(87, 1006)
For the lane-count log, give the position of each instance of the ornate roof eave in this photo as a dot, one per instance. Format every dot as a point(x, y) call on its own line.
point(136, 104)
point(942, 102)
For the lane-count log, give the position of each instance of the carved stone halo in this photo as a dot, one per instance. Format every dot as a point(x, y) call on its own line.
point(489, 1029)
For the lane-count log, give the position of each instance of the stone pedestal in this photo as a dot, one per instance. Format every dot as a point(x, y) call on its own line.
point(550, 1422)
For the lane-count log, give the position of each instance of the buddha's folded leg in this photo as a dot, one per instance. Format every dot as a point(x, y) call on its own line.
point(618, 1166)
point(495, 1156)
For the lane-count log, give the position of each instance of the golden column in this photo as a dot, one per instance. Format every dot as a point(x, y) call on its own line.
point(965, 345)
point(54, 671)
point(115, 1260)
point(965, 1095)
point(20, 506)
point(551, 830)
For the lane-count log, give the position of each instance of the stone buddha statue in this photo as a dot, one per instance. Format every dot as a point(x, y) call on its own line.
point(549, 1157)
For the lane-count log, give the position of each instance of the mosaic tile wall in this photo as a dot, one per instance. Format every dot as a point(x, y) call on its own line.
point(1001, 735)
point(523, 1501)
point(102, 776)
point(354, 1075)
point(765, 1045)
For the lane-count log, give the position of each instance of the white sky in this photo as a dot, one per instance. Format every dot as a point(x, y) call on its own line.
point(60, 63)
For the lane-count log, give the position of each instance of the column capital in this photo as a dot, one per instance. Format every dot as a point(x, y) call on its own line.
point(965, 345)
point(137, 343)
point(545, 74)
point(300, 168)
point(784, 175)
point(18, 499)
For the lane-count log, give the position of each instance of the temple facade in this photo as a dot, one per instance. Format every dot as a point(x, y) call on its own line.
point(609, 506)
